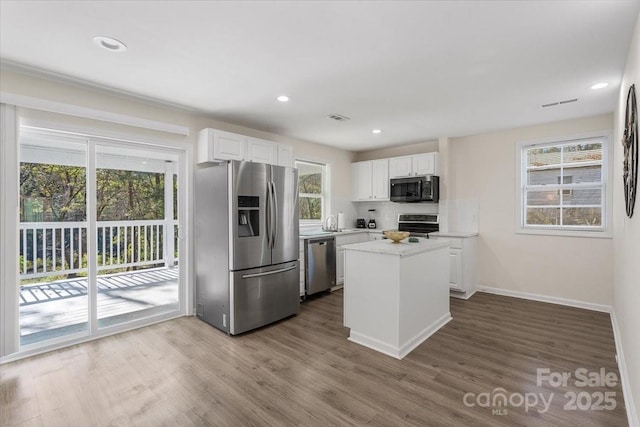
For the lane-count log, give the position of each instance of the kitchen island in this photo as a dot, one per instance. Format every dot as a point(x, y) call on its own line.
point(396, 295)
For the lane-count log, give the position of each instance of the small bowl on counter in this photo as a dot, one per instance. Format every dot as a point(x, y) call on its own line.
point(396, 236)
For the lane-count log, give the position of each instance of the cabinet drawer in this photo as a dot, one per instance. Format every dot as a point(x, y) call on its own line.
point(351, 238)
point(455, 242)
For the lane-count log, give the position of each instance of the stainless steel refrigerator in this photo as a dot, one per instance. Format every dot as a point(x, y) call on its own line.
point(246, 235)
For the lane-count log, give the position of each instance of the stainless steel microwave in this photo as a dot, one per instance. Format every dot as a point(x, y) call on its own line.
point(415, 189)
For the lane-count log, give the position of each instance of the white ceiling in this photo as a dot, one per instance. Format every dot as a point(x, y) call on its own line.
point(416, 70)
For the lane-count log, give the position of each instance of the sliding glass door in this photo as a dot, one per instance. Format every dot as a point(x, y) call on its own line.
point(99, 244)
point(52, 259)
point(136, 223)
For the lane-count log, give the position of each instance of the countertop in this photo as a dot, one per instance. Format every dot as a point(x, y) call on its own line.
point(339, 233)
point(462, 234)
point(401, 249)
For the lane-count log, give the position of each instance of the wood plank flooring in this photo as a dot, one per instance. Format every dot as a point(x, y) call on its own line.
point(303, 371)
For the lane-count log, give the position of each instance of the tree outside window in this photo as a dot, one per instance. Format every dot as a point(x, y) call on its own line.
point(311, 190)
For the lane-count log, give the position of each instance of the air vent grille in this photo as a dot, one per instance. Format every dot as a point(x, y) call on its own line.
point(338, 117)
point(553, 104)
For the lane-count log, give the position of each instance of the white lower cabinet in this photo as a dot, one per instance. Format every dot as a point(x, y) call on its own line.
point(455, 269)
point(302, 268)
point(462, 265)
point(340, 242)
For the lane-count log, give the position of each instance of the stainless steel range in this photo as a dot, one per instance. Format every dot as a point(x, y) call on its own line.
point(419, 225)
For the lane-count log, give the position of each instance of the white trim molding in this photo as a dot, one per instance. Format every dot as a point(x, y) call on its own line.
point(606, 185)
point(9, 316)
point(90, 113)
point(545, 298)
point(632, 415)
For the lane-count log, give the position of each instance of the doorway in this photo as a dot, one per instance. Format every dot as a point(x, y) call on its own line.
point(99, 226)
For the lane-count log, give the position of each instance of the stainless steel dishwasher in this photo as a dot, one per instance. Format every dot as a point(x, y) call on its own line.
point(320, 264)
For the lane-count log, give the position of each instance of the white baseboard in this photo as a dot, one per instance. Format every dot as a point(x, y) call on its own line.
point(544, 298)
point(401, 351)
point(632, 415)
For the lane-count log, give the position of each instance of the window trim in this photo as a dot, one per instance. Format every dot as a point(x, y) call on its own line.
point(607, 187)
point(324, 196)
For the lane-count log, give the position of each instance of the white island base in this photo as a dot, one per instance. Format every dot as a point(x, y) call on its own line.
point(396, 295)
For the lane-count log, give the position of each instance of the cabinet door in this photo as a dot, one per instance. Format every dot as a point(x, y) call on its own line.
point(424, 164)
point(261, 151)
point(285, 155)
point(380, 179)
point(400, 166)
point(455, 269)
point(228, 146)
point(362, 180)
point(340, 266)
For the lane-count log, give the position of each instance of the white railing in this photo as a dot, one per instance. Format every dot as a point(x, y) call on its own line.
point(60, 248)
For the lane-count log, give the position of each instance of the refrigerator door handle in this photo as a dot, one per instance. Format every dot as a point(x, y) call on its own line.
point(268, 273)
point(269, 215)
point(275, 216)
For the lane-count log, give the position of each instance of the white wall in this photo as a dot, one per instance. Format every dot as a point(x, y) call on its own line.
point(626, 238)
point(15, 82)
point(403, 150)
point(483, 167)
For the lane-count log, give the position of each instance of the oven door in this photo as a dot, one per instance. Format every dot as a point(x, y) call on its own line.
point(405, 190)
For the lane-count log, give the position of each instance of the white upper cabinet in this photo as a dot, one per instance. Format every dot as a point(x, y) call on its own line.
point(370, 180)
point(285, 155)
point(419, 164)
point(424, 164)
point(380, 179)
point(361, 176)
point(215, 145)
point(400, 166)
point(262, 151)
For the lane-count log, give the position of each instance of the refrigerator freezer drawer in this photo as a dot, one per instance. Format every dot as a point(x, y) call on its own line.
point(264, 295)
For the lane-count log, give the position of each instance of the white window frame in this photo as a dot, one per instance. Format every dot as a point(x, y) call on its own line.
point(9, 190)
point(605, 231)
point(324, 196)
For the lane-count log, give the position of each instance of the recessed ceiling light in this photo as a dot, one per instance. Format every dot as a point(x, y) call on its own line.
point(283, 98)
point(376, 131)
point(599, 85)
point(110, 44)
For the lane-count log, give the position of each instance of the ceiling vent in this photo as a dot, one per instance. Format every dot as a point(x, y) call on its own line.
point(553, 104)
point(338, 117)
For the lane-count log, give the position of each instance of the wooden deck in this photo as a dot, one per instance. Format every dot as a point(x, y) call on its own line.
point(59, 308)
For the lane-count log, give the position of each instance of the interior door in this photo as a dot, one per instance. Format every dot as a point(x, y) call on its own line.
point(285, 233)
point(250, 232)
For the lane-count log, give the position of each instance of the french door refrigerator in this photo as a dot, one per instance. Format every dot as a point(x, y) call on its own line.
point(246, 244)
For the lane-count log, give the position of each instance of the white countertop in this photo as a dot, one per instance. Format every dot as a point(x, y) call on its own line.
point(340, 233)
point(462, 234)
point(402, 249)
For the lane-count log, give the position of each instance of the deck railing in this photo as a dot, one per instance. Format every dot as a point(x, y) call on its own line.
point(60, 248)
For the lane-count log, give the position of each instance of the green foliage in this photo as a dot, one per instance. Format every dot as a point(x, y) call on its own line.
point(58, 193)
point(310, 207)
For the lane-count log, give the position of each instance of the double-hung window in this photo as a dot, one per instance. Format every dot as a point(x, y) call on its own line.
point(563, 186)
point(312, 191)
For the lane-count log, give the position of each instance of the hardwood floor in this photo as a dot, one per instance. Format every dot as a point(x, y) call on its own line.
point(303, 371)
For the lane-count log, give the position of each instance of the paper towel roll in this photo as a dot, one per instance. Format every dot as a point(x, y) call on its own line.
point(341, 221)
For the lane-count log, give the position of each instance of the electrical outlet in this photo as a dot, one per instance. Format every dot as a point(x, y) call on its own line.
point(224, 320)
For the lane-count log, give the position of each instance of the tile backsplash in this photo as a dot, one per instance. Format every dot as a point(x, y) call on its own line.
point(386, 213)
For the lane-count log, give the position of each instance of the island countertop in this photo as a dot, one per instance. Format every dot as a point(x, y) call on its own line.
point(402, 249)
